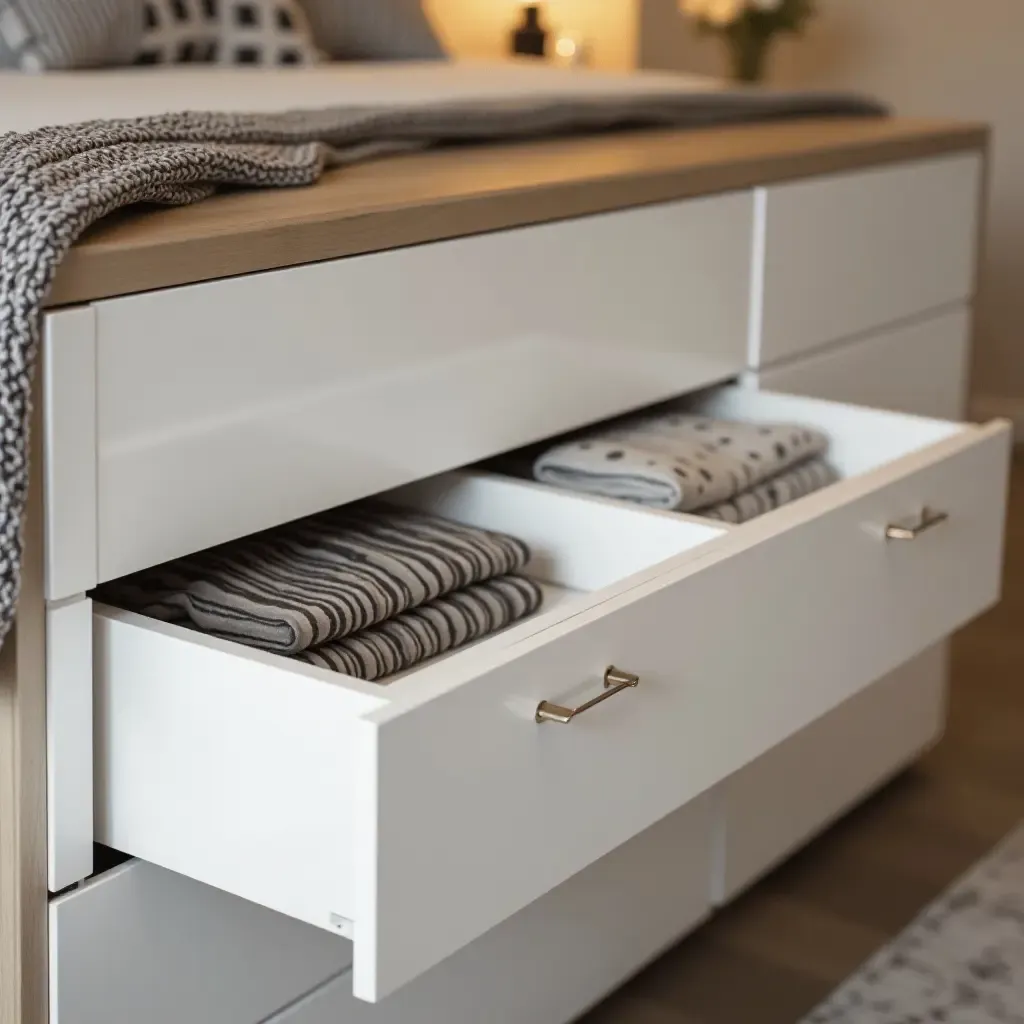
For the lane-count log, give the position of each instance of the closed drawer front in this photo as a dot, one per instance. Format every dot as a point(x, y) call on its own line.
point(919, 368)
point(349, 377)
point(416, 816)
point(775, 804)
point(541, 965)
point(848, 254)
point(141, 944)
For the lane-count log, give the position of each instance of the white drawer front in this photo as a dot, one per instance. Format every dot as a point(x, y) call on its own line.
point(920, 368)
point(417, 816)
point(544, 965)
point(854, 252)
point(778, 802)
point(141, 945)
point(228, 407)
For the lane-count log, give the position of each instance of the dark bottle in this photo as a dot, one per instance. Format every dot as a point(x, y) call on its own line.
point(531, 37)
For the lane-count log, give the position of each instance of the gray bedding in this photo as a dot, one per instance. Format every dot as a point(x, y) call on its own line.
point(56, 182)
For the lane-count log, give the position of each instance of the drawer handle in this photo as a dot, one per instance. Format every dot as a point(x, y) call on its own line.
point(615, 681)
point(929, 518)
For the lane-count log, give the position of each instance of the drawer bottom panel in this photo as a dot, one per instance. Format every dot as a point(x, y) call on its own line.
point(141, 945)
point(777, 803)
point(564, 952)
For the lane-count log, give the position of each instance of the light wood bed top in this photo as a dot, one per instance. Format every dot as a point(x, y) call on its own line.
point(451, 192)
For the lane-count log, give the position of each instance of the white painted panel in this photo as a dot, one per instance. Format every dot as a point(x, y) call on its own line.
point(851, 253)
point(140, 945)
point(69, 754)
point(920, 368)
point(750, 628)
point(226, 764)
point(235, 405)
point(69, 451)
point(561, 954)
point(778, 802)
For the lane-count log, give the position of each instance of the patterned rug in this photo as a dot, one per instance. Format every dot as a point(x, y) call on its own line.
point(961, 961)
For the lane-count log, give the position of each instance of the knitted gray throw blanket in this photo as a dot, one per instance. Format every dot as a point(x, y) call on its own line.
point(56, 182)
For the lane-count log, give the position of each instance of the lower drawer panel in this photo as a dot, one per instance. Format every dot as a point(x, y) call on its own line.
point(564, 952)
point(141, 945)
point(781, 800)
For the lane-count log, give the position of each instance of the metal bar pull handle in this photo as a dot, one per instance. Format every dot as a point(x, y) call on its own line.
point(928, 519)
point(615, 681)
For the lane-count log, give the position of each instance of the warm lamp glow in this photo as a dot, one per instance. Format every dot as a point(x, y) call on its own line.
point(566, 48)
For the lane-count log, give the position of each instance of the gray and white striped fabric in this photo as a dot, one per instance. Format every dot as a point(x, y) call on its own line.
point(44, 35)
point(56, 182)
point(432, 629)
point(373, 29)
point(320, 579)
point(677, 461)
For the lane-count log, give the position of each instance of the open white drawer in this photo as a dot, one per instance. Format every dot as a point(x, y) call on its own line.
point(415, 816)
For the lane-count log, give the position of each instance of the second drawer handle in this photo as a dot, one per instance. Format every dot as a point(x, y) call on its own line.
point(929, 518)
point(615, 681)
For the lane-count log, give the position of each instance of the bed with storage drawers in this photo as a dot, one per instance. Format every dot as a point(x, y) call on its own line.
point(309, 848)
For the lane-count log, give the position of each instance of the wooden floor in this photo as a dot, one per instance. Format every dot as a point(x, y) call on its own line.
point(774, 954)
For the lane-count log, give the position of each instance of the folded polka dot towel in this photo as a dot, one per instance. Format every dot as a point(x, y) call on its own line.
point(688, 463)
point(345, 583)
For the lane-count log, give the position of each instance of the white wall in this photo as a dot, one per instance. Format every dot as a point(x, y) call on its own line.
point(951, 58)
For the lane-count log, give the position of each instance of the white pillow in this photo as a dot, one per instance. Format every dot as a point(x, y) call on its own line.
point(374, 29)
point(247, 32)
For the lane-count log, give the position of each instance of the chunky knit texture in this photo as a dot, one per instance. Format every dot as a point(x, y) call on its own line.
point(56, 182)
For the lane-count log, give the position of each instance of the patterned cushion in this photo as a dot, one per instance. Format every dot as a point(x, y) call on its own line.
point(373, 29)
point(40, 35)
point(259, 32)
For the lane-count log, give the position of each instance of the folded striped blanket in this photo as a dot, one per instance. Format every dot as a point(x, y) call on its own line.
point(318, 580)
point(677, 461)
point(432, 629)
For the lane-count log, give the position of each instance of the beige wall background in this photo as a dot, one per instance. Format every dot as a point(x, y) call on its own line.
point(959, 58)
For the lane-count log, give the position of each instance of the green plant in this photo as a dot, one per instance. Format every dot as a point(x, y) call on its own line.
point(748, 26)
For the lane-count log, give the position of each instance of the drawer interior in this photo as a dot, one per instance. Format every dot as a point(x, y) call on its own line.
point(579, 545)
point(861, 440)
point(582, 544)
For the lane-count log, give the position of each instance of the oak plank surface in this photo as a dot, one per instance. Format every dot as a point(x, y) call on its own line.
point(23, 895)
point(451, 192)
point(785, 944)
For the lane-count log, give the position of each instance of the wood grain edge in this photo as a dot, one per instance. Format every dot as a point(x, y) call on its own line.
point(977, 321)
point(23, 892)
point(170, 259)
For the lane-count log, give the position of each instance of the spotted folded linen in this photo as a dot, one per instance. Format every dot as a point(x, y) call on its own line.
point(678, 461)
point(432, 629)
point(780, 490)
point(320, 579)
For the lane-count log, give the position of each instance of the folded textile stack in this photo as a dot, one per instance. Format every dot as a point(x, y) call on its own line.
point(368, 591)
point(714, 468)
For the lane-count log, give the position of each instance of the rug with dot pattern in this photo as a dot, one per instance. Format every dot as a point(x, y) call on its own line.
point(961, 961)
